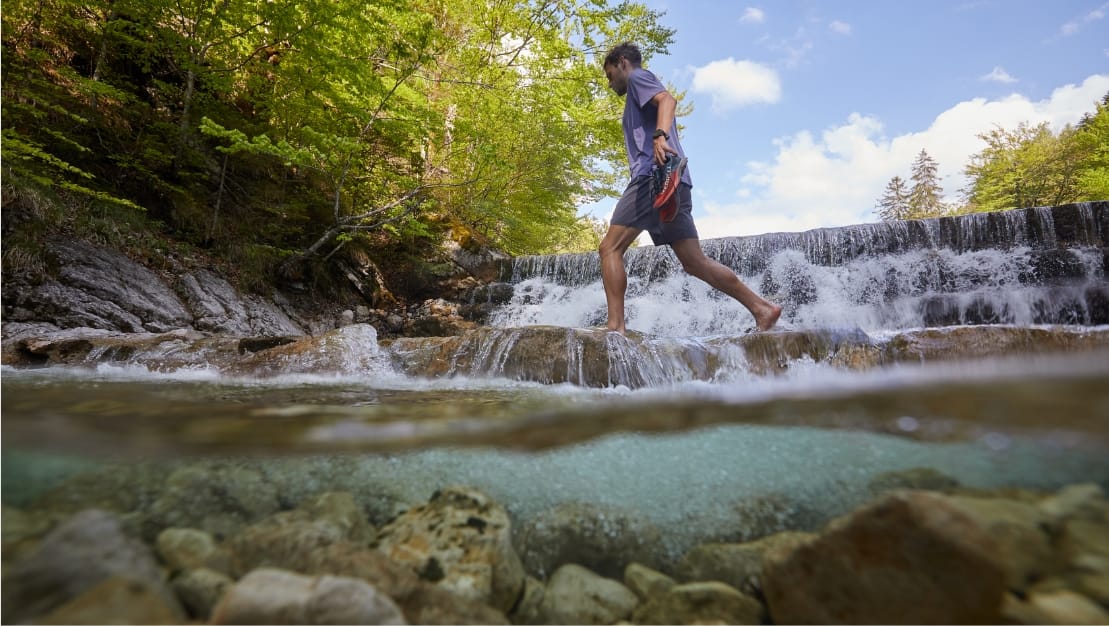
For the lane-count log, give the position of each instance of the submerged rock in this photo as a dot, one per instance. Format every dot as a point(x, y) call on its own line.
point(273, 596)
point(289, 539)
point(911, 557)
point(82, 552)
point(461, 541)
point(116, 600)
point(710, 602)
point(576, 595)
point(737, 564)
point(604, 539)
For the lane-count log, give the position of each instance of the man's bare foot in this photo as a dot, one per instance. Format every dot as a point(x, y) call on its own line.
point(767, 317)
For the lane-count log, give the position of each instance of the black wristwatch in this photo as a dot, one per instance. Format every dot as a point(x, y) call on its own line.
point(660, 133)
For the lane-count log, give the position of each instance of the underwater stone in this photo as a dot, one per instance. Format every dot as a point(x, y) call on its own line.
point(646, 582)
point(288, 539)
point(218, 498)
point(576, 595)
point(78, 554)
point(461, 541)
point(710, 602)
point(116, 600)
point(273, 596)
point(1055, 607)
point(737, 564)
point(188, 548)
point(200, 590)
point(1017, 529)
point(601, 538)
point(911, 557)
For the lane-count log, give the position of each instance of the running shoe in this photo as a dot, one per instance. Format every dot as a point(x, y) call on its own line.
point(666, 181)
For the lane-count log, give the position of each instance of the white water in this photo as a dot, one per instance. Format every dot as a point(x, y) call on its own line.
point(883, 293)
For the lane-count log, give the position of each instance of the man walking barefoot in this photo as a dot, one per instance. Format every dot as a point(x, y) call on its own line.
point(651, 136)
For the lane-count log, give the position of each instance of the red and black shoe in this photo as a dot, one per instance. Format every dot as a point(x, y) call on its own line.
point(666, 181)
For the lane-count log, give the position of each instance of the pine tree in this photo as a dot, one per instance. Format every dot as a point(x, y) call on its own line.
point(924, 198)
point(894, 203)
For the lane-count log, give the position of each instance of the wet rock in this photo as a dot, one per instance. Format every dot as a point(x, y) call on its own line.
point(117, 487)
point(267, 317)
point(1056, 607)
point(766, 514)
point(604, 539)
point(188, 548)
point(272, 596)
point(576, 595)
point(461, 541)
point(1083, 501)
point(1017, 530)
point(21, 531)
point(116, 600)
point(77, 555)
point(214, 303)
point(348, 350)
point(645, 582)
point(109, 278)
point(1084, 546)
point(422, 602)
point(437, 318)
point(70, 307)
point(287, 540)
point(737, 564)
point(769, 353)
point(529, 609)
point(218, 307)
point(924, 478)
point(199, 590)
point(217, 498)
point(483, 263)
point(911, 557)
point(158, 351)
point(709, 602)
point(977, 342)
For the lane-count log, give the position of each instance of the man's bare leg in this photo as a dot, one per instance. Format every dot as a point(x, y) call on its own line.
point(613, 275)
point(695, 263)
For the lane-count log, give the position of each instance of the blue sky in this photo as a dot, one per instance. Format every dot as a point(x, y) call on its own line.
point(804, 110)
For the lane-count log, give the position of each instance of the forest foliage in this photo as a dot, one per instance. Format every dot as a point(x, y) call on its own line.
point(276, 132)
point(1022, 167)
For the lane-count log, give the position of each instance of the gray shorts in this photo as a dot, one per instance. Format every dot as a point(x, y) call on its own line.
point(635, 209)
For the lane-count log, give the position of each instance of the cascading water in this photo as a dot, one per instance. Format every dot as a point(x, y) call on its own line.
point(1022, 267)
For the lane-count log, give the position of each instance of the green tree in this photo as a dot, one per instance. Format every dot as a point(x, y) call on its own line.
point(894, 203)
point(1091, 142)
point(925, 194)
point(1025, 167)
point(531, 125)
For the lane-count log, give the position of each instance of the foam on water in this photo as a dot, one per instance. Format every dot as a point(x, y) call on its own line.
point(917, 288)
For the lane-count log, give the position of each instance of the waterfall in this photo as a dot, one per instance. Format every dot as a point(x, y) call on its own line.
point(1041, 265)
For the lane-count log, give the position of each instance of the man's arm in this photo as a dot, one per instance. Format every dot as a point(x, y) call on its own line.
point(667, 106)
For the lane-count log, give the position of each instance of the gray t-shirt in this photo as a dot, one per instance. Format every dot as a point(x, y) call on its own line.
point(641, 120)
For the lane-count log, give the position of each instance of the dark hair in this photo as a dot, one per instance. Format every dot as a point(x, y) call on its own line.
point(626, 50)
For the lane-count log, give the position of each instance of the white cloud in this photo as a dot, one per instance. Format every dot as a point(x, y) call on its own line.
point(1075, 25)
point(753, 15)
point(734, 83)
point(834, 178)
point(842, 28)
point(999, 75)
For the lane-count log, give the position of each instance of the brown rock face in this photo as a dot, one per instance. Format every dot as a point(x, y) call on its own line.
point(909, 558)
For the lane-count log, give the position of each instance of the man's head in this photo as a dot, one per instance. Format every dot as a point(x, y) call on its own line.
point(619, 63)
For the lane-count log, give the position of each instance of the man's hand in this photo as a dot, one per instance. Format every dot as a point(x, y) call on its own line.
point(662, 148)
